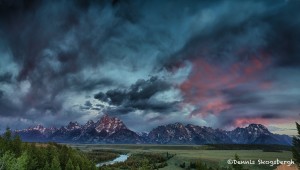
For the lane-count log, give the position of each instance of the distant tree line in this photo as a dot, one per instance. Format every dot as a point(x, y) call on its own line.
point(266, 148)
point(102, 156)
point(17, 155)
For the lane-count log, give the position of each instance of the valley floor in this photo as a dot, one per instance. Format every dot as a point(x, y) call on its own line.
point(191, 153)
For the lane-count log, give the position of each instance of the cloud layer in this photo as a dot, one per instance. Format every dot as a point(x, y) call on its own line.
point(221, 63)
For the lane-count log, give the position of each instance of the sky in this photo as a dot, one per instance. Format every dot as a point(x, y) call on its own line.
point(222, 63)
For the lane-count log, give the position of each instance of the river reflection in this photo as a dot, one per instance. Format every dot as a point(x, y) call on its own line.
point(121, 158)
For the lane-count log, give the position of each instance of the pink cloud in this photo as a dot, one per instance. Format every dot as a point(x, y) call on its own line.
point(204, 86)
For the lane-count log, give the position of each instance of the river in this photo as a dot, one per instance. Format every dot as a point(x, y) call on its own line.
point(121, 158)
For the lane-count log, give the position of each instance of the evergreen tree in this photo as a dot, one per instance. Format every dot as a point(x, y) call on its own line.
point(33, 161)
point(296, 146)
point(51, 153)
point(47, 166)
point(15, 155)
point(22, 161)
point(32, 164)
point(9, 161)
point(7, 135)
point(1, 164)
point(1, 146)
point(6, 141)
point(69, 165)
point(237, 166)
point(17, 145)
point(63, 156)
point(55, 165)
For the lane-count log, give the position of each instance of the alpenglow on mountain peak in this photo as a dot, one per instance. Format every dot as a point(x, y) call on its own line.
point(112, 130)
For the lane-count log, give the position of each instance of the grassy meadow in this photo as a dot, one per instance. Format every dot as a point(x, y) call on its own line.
point(214, 156)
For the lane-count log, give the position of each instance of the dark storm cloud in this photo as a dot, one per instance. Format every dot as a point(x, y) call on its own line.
point(96, 108)
point(119, 110)
point(84, 108)
point(28, 36)
point(249, 30)
point(52, 42)
point(254, 117)
point(241, 30)
point(285, 44)
point(91, 84)
point(7, 108)
point(141, 90)
point(280, 103)
point(88, 104)
point(63, 50)
point(5, 78)
point(247, 106)
point(272, 116)
point(157, 118)
point(138, 97)
point(241, 96)
point(266, 112)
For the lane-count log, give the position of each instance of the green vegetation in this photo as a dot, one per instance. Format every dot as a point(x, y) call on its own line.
point(296, 146)
point(155, 161)
point(16, 155)
point(154, 147)
point(237, 166)
point(212, 157)
point(142, 161)
point(265, 148)
point(200, 165)
point(102, 155)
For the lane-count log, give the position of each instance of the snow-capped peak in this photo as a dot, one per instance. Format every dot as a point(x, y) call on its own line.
point(73, 125)
point(258, 128)
point(109, 124)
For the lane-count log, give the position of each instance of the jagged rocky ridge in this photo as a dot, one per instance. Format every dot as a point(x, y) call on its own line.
point(113, 130)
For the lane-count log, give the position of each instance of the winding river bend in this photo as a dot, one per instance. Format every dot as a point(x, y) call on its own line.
point(121, 158)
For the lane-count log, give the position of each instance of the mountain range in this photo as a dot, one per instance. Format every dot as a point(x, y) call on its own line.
point(113, 131)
